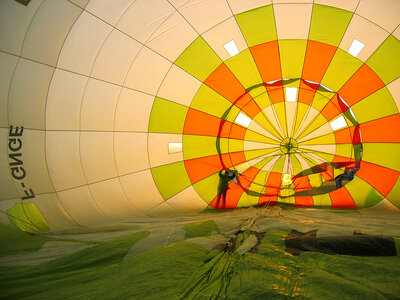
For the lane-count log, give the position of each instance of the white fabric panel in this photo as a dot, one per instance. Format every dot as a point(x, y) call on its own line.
point(80, 3)
point(396, 33)
point(28, 92)
point(254, 126)
point(223, 33)
point(78, 204)
point(385, 13)
point(187, 201)
point(394, 89)
point(34, 162)
point(147, 72)
point(141, 190)
point(14, 22)
point(194, 11)
point(115, 57)
point(51, 209)
point(109, 11)
point(130, 152)
point(366, 32)
point(331, 149)
point(273, 118)
point(161, 210)
point(48, 30)
point(350, 5)
point(292, 20)
point(98, 105)
point(63, 159)
point(175, 32)
point(133, 111)
point(7, 66)
point(291, 111)
point(158, 149)
point(83, 43)
point(239, 6)
point(179, 86)
point(320, 131)
point(64, 100)
point(97, 156)
point(141, 19)
point(7, 188)
point(248, 145)
point(110, 198)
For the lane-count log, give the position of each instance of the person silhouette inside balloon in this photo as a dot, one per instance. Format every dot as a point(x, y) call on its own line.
point(225, 177)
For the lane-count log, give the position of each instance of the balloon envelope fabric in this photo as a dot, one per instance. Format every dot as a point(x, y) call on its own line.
point(117, 109)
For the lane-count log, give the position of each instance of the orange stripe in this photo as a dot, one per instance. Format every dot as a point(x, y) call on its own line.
point(344, 136)
point(267, 200)
point(225, 83)
point(233, 194)
point(202, 167)
point(201, 123)
point(276, 94)
point(304, 201)
point(363, 83)
point(306, 94)
point(380, 178)
point(331, 110)
point(317, 60)
point(341, 198)
point(384, 130)
point(248, 176)
point(274, 180)
point(341, 161)
point(233, 158)
point(233, 131)
point(248, 105)
point(267, 60)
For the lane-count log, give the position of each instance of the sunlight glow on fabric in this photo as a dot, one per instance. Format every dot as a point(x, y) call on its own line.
point(231, 48)
point(338, 123)
point(356, 47)
point(291, 94)
point(243, 120)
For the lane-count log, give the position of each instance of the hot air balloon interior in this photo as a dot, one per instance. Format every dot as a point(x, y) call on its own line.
point(199, 149)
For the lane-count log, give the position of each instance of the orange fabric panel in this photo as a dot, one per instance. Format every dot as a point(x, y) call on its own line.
point(274, 180)
point(306, 94)
point(328, 174)
point(317, 60)
point(233, 131)
point(233, 158)
point(302, 184)
point(341, 161)
point(276, 94)
point(272, 191)
point(267, 200)
point(331, 110)
point(384, 130)
point(344, 136)
point(202, 167)
point(267, 60)
point(362, 84)
point(380, 178)
point(251, 108)
point(341, 198)
point(304, 201)
point(201, 123)
point(225, 83)
point(233, 194)
point(247, 177)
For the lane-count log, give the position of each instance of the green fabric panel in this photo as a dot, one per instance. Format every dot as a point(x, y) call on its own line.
point(383, 154)
point(171, 179)
point(202, 228)
point(209, 101)
point(195, 146)
point(257, 153)
point(262, 99)
point(244, 68)
point(322, 200)
point(363, 194)
point(328, 24)
point(292, 53)
point(394, 195)
point(167, 116)
point(377, 105)
point(278, 166)
point(207, 188)
point(198, 59)
point(346, 150)
point(320, 100)
point(28, 218)
point(258, 25)
point(247, 200)
point(297, 168)
point(385, 61)
point(315, 180)
point(322, 140)
point(340, 70)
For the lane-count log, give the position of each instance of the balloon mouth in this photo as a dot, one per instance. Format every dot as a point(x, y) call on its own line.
point(289, 145)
